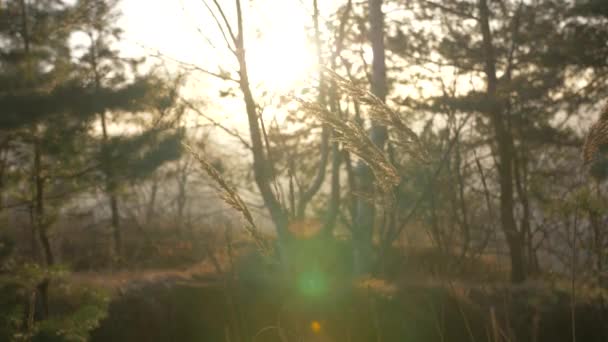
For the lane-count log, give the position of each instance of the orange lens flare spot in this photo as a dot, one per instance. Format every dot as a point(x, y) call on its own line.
point(315, 327)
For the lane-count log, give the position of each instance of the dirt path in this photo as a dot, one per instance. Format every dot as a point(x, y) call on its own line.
point(121, 280)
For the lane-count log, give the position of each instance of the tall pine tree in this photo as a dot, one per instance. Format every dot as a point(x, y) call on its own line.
point(128, 100)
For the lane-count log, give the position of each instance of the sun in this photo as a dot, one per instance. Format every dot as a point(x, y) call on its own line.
point(278, 49)
point(281, 56)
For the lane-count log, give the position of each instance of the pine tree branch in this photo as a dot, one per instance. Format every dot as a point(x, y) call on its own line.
point(450, 10)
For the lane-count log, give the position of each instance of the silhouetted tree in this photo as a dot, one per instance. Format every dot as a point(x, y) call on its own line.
point(127, 98)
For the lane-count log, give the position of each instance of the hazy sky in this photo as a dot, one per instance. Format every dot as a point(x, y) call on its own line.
point(278, 51)
point(279, 54)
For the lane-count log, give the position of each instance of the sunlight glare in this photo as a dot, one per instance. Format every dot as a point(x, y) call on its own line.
point(281, 56)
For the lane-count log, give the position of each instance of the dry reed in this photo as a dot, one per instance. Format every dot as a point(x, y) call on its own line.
point(231, 197)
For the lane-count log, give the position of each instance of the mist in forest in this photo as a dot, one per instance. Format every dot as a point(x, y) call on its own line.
point(303, 170)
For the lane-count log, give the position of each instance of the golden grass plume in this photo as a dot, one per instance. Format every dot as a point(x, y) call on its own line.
point(596, 139)
point(356, 140)
point(231, 197)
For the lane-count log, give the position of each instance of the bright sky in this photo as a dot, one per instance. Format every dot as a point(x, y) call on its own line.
point(279, 53)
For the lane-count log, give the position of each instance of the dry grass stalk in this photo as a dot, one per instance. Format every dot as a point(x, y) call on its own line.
point(356, 141)
point(382, 114)
point(597, 139)
point(229, 195)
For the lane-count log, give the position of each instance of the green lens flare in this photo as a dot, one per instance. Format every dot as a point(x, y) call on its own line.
point(312, 283)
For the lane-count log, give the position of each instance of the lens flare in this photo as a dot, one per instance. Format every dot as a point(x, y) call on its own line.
point(312, 284)
point(315, 326)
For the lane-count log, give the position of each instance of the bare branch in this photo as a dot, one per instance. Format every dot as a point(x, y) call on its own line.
point(217, 124)
point(220, 26)
point(193, 67)
point(219, 8)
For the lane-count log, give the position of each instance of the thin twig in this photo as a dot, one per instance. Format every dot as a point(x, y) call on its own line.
point(215, 123)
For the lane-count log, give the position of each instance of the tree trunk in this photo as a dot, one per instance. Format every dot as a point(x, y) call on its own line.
point(40, 225)
point(150, 208)
point(598, 252)
point(464, 222)
point(261, 167)
point(42, 228)
point(106, 168)
point(316, 183)
point(520, 166)
point(182, 180)
point(334, 197)
point(115, 224)
point(505, 154)
point(365, 210)
point(333, 209)
point(110, 189)
point(34, 243)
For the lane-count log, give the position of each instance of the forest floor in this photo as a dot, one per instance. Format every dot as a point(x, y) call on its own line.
point(123, 280)
point(193, 302)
